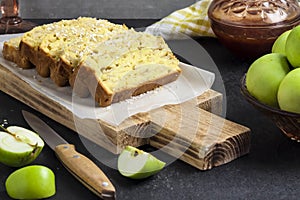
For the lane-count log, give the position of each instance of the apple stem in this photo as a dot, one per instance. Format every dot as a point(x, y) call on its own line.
point(18, 138)
point(35, 147)
point(135, 153)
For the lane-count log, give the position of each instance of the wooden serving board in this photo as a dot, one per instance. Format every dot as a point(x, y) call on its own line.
point(192, 131)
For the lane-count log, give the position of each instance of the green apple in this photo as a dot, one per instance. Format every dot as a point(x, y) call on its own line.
point(19, 146)
point(289, 92)
point(264, 76)
point(31, 182)
point(138, 164)
point(292, 47)
point(279, 44)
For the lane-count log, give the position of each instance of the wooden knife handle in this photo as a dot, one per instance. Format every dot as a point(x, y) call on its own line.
point(85, 171)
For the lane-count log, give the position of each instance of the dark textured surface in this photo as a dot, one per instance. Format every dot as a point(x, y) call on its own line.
point(117, 9)
point(270, 171)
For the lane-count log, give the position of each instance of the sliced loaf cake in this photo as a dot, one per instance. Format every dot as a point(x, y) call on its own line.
point(108, 61)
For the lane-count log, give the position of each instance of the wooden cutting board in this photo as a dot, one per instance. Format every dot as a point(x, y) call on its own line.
point(192, 131)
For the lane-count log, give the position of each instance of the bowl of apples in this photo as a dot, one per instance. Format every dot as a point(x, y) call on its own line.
point(287, 122)
point(272, 83)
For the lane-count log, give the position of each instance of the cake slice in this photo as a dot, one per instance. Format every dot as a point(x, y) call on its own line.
point(11, 52)
point(126, 65)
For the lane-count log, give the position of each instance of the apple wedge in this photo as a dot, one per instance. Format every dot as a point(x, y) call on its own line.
point(19, 146)
point(137, 164)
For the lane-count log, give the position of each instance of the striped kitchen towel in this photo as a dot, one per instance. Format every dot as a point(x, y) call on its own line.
point(191, 21)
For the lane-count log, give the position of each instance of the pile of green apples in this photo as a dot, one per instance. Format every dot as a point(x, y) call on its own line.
point(274, 78)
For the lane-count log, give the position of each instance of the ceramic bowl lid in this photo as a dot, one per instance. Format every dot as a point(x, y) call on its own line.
point(255, 12)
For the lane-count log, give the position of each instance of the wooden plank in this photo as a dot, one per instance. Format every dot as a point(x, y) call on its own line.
point(198, 137)
point(191, 131)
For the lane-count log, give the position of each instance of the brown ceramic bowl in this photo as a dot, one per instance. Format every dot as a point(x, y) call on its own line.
point(287, 122)
point(249, 28)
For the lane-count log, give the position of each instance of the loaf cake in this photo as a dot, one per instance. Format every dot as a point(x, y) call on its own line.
point(108, 61)
point(126, 65)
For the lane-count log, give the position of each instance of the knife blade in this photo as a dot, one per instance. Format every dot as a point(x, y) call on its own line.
point(87, 172)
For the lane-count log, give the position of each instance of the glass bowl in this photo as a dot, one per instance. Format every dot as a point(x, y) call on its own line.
point(287, 122)
point(249, 28)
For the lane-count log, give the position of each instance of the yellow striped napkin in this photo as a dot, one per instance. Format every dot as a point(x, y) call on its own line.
point(191, 21)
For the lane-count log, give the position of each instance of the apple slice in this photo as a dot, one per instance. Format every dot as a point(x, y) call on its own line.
point(19, 146)
point(137, 164)
point(31, 182)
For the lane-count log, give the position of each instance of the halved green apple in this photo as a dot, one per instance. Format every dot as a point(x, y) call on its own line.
point(19, 146)
point(138, 164)
point(31, 182)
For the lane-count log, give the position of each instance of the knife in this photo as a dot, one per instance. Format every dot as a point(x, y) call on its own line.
point(87, 172)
